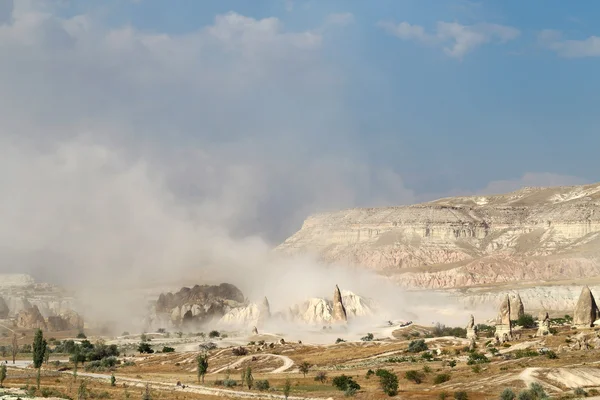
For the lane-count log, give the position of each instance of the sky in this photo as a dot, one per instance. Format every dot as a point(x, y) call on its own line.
point(166, 125)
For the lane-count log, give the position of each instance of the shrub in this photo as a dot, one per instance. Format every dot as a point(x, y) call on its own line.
point(339, 340)
point(415, 376)
point(526, 321)
point(214, 334)
point(370, 373)
point(321, 376)
point(427, 356)
point(534, 392)
point(417, 346)
point(388, 382)
point(476, 369)
point(551, 355)
point(442, 330)
point(526, 353)
point(239, 351)
point(579, 392)
point(262, 385)
point(477, 358)
point(345, 383)
point(452, 363)
point(229, 383)
point(167, 349)
point(144, 347)
point(462, 395)
point(427, 369)
point(81, 335)
point(508, 394)
point(441, 378)
point(367, 338)
point(443, 396)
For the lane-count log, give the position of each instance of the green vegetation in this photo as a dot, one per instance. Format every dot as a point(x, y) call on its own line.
point(414, 376)
point(304, 368)
point(417, 346)
point(214, 334)
point(202, 362)
point(388, 381)
point(508, 394)
point(262, 385)
point(442, 330)
point(526, 321)
point(461, 395)
point(321, 376)
point(39, 349)
point(534, 392)
point(369, 337)
point(144, 347)
point(167, 349)
point(441, 378)
point(477, 358)
point(346, 384)
point(287, 388)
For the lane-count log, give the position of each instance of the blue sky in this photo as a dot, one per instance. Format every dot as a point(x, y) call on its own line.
point(500, 111)
point(254, 114)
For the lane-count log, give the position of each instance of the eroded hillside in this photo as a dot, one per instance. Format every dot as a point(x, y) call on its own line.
point(531, 235)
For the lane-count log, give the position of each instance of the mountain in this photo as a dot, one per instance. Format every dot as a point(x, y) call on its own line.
point(531, 236)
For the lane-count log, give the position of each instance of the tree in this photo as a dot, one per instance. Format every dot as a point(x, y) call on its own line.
point(461, 395)
point(113, 380)
point(249, 378)
point(147, 395)
point(526, 321)
point(388, 382)
point(15, 347)
point(321, 377)
point(304, 368)
point(47, 355)
point(2, 374)
point(202, 362)
point(82, 392)
point(345, 383)
point(417, 346)
point(287, 388)
point(39, 349)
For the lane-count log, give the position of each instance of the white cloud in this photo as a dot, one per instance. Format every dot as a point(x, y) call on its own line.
point(554, 41)
point(455, 39)
point(131, 153)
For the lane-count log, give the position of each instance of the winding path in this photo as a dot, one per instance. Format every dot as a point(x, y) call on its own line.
point(287, 363)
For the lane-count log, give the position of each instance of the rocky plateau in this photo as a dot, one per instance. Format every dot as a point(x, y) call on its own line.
point(543, 242)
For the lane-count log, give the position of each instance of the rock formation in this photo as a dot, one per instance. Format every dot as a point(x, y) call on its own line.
point(516, 307)
point(254, 331)
point(533, 234)
point(30, 318)
point(471, 328)
point(586, 310)
point(264, 312)
point(543, 325)
point(65, 322)
point(503, 329)
point(339, 311)
point(199, 304)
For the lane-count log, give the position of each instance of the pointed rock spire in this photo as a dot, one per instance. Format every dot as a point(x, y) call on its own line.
point(586, 310)
point(264, 312)
point(517, 309)
point(339, 311)
point(505, 311)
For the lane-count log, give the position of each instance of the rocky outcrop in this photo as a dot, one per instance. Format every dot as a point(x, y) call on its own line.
point(30, 319)
point(321, 311)
point(586, 311)
point(543, 325)
point(199, 304)
point(65, 322)
point(264, 312)
point(471, 328)
point(504, 329)
point(529, 235)
point(339, 311)
point(516, 307)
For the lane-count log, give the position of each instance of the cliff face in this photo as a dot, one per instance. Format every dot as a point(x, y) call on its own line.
point(534, 234)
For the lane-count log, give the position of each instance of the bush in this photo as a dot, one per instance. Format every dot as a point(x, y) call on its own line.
point(367, 338)
point(167, 349)
point(239, 351)
point(262, 385)
point(345, 383)
point(144, 347)
point(508, 394)
point(579, 392)
point(229, 383)
point(452, 363)
point(81, 335)
point(476, 369)
point(417, 346)
point(477, 358)
point(441, 378)
point(321, 376)
point(370, 373)
point(415, 376)
point(526, 321)
point(214, 334)
point(551, 355)
point(442, 330)
point(462, 395)
point(207, 346)
point(535, 392)
point(443, 396)
point(388, 382)
point(526, 353)
point(339, 340)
